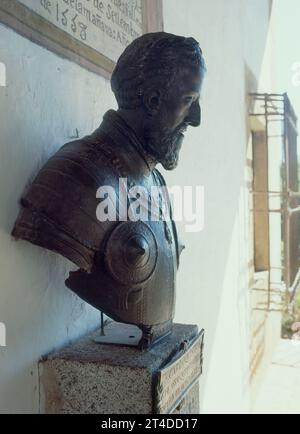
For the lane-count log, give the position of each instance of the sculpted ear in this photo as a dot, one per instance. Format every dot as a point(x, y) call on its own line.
point(152, 101)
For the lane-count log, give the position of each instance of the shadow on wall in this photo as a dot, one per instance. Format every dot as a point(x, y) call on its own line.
point(45, 99)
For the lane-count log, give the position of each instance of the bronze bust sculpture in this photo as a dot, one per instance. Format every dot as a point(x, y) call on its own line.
point(127, 267)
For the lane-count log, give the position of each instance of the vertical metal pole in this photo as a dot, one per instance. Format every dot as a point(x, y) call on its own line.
point(268, 188)
point(287, 190)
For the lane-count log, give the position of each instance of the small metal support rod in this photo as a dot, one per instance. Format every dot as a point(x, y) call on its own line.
point(102, 324)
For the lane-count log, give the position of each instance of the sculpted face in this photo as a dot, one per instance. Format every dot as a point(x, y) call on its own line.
point(173, 112)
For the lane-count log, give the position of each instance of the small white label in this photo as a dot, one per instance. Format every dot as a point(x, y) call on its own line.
point(2, 74)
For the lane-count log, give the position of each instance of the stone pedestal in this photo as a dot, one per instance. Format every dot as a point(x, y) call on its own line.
point(90, 378)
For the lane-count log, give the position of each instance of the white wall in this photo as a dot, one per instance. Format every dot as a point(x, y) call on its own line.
point(213, 280)
point(45, 100)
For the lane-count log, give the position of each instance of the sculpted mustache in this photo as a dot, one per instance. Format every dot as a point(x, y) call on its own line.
point(181, 129)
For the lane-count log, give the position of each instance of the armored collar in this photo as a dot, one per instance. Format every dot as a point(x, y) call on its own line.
point(124, 137)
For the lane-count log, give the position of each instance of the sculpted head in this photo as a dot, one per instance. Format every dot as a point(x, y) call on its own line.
point(159, 78)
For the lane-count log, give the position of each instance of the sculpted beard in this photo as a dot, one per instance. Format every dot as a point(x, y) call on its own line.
point(164, 144)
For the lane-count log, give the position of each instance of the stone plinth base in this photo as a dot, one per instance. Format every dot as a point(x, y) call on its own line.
point(90, 378)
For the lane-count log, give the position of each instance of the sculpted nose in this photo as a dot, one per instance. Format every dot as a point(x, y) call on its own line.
point(194, 117)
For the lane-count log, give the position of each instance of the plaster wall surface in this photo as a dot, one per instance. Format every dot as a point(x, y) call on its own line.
point(213, 283)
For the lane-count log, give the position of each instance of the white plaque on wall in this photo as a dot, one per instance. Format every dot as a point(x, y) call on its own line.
point(91, 32)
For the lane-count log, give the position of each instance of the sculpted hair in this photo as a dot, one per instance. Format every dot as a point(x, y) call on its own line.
point(153, 60)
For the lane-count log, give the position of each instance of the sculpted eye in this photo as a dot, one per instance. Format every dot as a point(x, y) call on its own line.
point(188, 99)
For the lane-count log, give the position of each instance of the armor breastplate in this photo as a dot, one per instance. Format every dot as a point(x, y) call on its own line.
point(127, 269)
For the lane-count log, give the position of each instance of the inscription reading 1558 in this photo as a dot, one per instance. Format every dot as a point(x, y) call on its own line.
point(108, 26)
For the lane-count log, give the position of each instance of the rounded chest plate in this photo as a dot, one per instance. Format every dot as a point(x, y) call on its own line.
point(131, 253)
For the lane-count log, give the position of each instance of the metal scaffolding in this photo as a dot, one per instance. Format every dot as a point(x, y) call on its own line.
point(271, 109)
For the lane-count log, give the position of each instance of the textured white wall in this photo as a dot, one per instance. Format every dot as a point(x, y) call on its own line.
point(45, 100)
point(213, 283)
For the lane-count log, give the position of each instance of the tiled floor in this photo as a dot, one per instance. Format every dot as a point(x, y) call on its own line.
point(280, 392)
